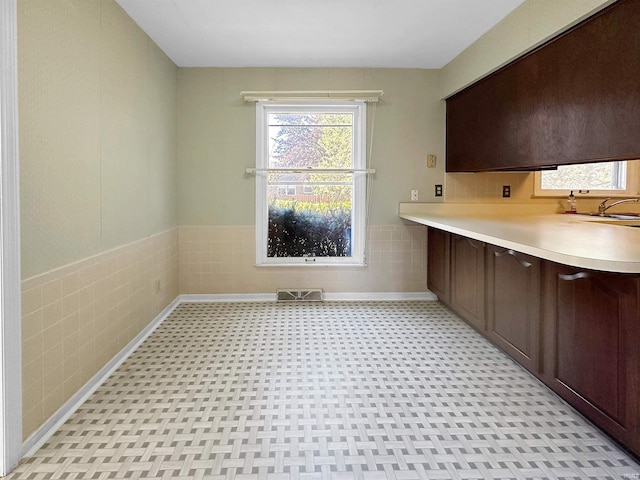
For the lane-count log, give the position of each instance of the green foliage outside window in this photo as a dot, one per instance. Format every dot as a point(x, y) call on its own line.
point(302, 229)
point(590, 176)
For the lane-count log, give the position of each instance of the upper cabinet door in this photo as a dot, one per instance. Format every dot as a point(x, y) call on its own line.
point(482, 122)
point(574, 99)
point(597, 71)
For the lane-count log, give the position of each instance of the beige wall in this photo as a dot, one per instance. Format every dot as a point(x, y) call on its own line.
point(527, 26)
point(216, 136)
point(216, 141)
point(97, 107)
point(97, 113)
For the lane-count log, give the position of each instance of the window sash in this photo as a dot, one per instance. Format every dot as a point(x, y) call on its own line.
point(357, 171)
point(627, 172)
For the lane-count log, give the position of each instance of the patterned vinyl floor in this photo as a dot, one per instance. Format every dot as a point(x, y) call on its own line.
point(335, 391)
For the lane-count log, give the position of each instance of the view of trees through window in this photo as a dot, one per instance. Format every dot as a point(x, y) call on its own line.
point(310, 212)
point(588, 176)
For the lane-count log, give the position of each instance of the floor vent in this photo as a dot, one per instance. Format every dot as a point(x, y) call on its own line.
point(311, 295)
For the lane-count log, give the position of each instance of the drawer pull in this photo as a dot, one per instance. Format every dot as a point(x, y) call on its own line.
point(514, 254)
point(575, 276)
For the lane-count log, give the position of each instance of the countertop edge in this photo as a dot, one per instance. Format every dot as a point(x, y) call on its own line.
point(591, 263)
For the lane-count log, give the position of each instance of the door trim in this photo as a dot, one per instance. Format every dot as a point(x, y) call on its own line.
point(10, 288)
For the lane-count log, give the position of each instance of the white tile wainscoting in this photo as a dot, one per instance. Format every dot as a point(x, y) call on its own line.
point(221, 260)
point(75, 319)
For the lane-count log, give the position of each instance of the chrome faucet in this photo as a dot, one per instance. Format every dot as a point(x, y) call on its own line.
point(603, 207)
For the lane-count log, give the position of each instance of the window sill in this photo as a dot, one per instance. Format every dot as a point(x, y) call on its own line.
point(310, 265)
point(586, 195)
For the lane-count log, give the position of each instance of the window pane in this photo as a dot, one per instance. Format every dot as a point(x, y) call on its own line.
point(310, 119)
point(316, 225)
point(591, 176)
point(310, 141)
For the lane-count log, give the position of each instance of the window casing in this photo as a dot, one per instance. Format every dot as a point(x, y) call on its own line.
point(299, 147)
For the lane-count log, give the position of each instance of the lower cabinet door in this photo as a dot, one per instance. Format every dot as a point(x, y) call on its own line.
point(591, 346)
point(513, 304)
point(467, 280)
point(438, 263)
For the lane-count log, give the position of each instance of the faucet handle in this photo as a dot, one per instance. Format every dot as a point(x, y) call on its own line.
point(603, 205)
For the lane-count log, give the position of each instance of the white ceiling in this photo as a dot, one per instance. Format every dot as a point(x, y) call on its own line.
point(315, 33)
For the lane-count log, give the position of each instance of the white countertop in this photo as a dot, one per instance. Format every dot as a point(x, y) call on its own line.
point(578, 240)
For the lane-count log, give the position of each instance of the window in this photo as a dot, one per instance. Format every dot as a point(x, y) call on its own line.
point(319, 147)
point(589, 179)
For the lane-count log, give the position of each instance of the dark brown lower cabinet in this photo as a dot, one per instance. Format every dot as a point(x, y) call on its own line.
point(467, 280)
point(513, 304)
point(576, 330)
point(438, 259)
point(592, 340)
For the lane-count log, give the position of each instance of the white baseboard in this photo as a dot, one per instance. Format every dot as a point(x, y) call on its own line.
point(227, 297)
point(380, 296)
point(42, 434)
point(332, 297)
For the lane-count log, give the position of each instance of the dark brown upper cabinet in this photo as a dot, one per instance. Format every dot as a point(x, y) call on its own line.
point(574, 99)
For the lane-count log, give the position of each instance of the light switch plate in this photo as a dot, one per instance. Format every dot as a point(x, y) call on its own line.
point(431, 161)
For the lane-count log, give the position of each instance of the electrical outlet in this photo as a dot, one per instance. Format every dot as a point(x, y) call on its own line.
point(438, 190)
point(431, 161)
point(414, 195)
point(506, 191)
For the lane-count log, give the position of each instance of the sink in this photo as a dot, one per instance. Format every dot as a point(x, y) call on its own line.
point(626, 219)
point(622, 222)
point(625, 216)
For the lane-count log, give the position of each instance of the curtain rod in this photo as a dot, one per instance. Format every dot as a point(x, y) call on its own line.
point(371, 96)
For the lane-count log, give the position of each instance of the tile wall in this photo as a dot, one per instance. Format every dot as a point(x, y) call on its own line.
point(75, 319)
point(221, 259)
point(487, 187)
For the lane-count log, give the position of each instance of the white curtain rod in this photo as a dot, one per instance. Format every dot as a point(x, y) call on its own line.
point(371, 96)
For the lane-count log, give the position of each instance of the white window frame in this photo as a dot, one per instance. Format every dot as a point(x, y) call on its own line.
point(632, 172)
point(358, 220)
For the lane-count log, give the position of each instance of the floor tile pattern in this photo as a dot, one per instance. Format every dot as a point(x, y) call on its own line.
point(331, 391)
